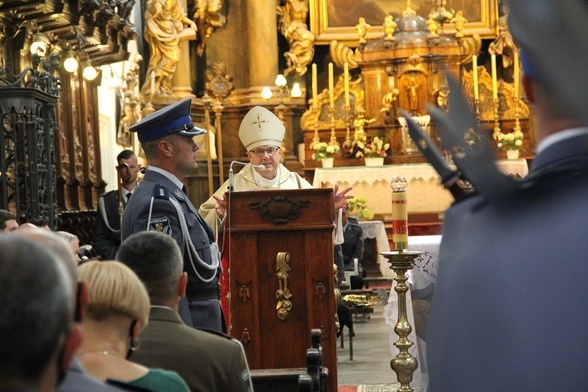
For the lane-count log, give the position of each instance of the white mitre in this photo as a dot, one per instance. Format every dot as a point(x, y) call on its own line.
point(260, 127)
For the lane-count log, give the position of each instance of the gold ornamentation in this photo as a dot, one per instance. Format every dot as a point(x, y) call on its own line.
point(292, 24)
point(208, 18)
point(219, 83)
point(165, 22)
point(320, 289)
point(341, 54)
point(131, 104)
point(244, 291)
point(283, 293)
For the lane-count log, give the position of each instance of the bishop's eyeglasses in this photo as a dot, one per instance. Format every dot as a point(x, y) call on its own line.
point(269, 151)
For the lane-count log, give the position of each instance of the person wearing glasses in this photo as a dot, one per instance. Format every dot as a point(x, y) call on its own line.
point(261, 133)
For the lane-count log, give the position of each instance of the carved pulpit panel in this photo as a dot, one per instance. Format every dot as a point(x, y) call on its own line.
point(281, 274)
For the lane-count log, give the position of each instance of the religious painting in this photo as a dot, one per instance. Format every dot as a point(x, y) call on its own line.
point(335, 19)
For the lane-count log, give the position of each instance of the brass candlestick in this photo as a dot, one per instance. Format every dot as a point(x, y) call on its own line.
point(348, 124)
point(404, 364)
point(517, 126)
point(333, 139)
point(496, 118)
point(315, 138)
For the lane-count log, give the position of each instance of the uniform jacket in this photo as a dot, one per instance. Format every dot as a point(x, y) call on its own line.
point(207, 361)
point(509, 309)
point(107, 240)
point(157, 189)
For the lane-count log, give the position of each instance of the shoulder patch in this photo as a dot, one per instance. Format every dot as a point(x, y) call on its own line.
point(160, 192)
point(161, 224)
point(179, 194)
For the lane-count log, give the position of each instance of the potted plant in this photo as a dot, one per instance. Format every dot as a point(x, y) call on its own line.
point(324, 152)
point(358, 208)
point(373, 151)
point(512, 143)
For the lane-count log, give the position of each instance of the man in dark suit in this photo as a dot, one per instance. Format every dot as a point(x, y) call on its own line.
point(510, 310)
point(160, 203)
point(207, 361)
point(110, 206)
point(352, 248)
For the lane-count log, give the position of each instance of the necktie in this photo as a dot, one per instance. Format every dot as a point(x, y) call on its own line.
point(129, 196)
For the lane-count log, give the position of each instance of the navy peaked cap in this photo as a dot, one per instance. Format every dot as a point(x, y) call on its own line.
point(174, 118)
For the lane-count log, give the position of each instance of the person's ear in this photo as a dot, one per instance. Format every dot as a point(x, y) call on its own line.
point(182, 285)
point(165, 148)
point(74, 340)
point(529, 88)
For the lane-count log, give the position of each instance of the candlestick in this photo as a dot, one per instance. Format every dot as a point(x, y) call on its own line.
point(346, 82)
point(494, 79)
point(475, 69)
point(314, 87)
point(399, 213)
point(331, 88)
point(516, 73)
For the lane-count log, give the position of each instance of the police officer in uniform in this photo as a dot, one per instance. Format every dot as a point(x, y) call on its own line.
point(111, 206)
point(160, 203)
point(509, 311)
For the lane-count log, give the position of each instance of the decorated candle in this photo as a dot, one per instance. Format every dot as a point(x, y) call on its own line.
point(399, 213)
point(494, 79)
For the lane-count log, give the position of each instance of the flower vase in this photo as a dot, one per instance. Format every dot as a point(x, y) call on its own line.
point(512, 154)
point(378, 161)
point(327, 162)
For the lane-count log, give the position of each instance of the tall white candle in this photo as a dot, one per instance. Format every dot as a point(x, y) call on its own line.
point(475, 69)
point(346, 76)
point(152, 83)
point(494, 78)
point(331, 87)
point(516, 66)
point(314, 87)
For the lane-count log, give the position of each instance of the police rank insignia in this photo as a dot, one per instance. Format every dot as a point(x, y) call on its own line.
point(162, 225)
point(179, 194)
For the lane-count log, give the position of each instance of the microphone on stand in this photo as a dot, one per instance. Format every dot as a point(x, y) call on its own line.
point(260, 167)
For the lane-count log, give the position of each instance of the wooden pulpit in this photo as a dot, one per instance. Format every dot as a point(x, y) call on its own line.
point(282, 279)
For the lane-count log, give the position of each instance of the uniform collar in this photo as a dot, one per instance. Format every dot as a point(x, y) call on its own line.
point(167, 174)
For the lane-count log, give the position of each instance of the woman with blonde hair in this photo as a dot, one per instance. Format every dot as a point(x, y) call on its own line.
point(117, 310)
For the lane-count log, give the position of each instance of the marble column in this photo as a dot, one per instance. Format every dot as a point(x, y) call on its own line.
point(263, 42)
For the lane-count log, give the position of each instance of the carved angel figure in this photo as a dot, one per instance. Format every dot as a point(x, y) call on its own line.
point(164, 27)
point(292, 24)
point(503, 44)
point(208, 18)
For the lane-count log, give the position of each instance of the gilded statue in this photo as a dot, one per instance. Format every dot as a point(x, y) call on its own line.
point(459, 22)
point(412, 88)
point(292, 24)
point(362, 28)
point(208, 18)
point(165, 22)
point(503, 44)
point(389, 27)
point(432, 26)
point(131, 104)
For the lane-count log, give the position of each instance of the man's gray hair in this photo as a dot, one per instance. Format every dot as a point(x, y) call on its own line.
point(36, 309)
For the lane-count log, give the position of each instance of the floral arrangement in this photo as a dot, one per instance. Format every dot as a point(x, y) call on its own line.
point(358, 207)
point(510, 141)
point(324, 150)
point(372, 148)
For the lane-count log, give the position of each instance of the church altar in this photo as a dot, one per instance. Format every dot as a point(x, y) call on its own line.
point(425, 194)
